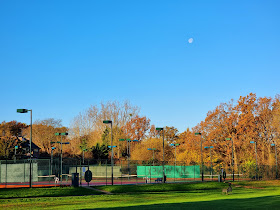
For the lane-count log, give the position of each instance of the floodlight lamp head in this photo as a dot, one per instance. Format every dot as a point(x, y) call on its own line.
point(22, 110)
point(107, 121)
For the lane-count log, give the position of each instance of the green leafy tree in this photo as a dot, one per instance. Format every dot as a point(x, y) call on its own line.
point(100, 152)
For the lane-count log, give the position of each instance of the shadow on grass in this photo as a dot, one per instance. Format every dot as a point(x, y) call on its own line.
point(267, 202)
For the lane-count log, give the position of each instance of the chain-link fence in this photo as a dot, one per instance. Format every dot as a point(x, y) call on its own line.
point(52, 172)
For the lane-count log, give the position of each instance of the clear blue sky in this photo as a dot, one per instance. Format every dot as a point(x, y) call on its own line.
point(60, 57)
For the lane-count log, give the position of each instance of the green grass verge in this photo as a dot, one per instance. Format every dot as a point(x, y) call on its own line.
point(181, 196)
point(45, 192)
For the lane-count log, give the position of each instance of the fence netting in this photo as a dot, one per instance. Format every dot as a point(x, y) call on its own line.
point(54, 172)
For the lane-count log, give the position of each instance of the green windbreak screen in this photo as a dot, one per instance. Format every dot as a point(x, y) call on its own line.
point(170, 171)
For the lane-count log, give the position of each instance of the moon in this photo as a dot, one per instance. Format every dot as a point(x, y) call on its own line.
point(190, 40)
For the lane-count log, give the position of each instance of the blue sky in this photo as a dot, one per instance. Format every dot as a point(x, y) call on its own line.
point(59, 57)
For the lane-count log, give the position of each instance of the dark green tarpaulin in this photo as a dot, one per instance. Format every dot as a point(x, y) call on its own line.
point(170, 171)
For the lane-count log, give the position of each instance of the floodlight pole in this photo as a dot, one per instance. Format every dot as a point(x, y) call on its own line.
point(83, 156)
point(276, 162)
point(161, 129)
point(153, 157)
point(254, 142)
point(211, 164)
point(153, 149)
point(175, 145)
point(61, 134)
point(256, 159)
point(232, 159)
point(61, 159)
point(52, 158)
point(210, 147)
point(30, 143)
point(112, 153)
point(202, 174)
point(16, 153)
point(30, 181)
point(128, 157)
point(275, 159)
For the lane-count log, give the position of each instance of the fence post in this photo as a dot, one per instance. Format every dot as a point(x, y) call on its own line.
point(88, 170)
point(81, 172)
point(106, 172)
point(6, 173)
point(145, 173)
point(136, 173)
point(49, 171)
point(194, 172)
point(174, 171)
point(150, 172)
point(24, 171)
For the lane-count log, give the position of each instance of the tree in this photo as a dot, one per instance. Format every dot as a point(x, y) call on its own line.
point(170, 134)
point(90, 122)
point(9, 133)
point(136, 128)
point(43, 133)
point(100, 152)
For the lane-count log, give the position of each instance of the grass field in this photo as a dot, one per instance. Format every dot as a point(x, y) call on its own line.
point(245, 195)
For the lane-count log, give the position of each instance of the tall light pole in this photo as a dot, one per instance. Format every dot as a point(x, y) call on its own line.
point(135, 140)
point(274, 145)
point(128, 151)
point(161, 129)
point(153, 149)
point(112, 154)
point(84, 149)
point(253, 142)
point(175, 145)
point(53, 148)
point(197, 134)
point(210, 147)
point(30, 142)
point(232, 159)
point(16, 147)
point(61, 134)
point(112, 147)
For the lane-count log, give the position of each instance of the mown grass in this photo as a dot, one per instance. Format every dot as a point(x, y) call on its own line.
point(163, 187)
point(45, 192)
point(162, 196)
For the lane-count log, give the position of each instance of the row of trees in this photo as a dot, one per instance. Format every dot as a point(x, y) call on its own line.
point(247, 119)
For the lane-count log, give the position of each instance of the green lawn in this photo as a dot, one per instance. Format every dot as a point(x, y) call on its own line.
point(246, 195)
point(44, 192)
